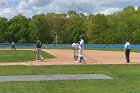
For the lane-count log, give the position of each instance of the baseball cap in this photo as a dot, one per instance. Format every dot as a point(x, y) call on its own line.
point(81, 37)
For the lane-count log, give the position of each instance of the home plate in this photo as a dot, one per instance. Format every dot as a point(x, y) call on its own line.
point(53, 77)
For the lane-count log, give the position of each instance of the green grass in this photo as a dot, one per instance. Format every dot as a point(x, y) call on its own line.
point(20, 55)
point(126, 79)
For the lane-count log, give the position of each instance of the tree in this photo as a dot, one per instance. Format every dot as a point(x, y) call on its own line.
point(65, 27)
point(3, 29)
point(74, 26)
point(38, 27)
point(56, 26)
point(18, 29)
point(95, 25)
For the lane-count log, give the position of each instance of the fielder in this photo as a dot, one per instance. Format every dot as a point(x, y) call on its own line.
point(81, 48)
point(75, 47)
point(38, 50)
point(13, 46)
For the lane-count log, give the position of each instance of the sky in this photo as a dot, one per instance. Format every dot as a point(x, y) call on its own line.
point(28, 8)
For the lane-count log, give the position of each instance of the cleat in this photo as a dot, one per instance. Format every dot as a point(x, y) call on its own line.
point(41, 60)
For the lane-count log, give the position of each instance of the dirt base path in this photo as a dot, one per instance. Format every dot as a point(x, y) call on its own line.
point(93, 57)
point(65, 57)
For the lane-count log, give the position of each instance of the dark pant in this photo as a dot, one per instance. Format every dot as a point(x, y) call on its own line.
point(127, 53)
point(13, 47)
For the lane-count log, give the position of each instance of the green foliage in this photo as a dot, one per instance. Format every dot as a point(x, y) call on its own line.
point(18, 29)
point(38, 27)
point(56, 27)
point(64, 28)
point(3, 29)
point(74, 26)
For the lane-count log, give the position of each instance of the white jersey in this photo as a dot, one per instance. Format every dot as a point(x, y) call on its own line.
point(81, 44)
point(127, 45)
point(75, 46)
point(13, 43)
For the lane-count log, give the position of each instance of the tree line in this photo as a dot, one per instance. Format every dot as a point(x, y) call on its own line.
point(64, 28)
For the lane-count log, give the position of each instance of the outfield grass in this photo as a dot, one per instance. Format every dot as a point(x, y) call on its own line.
point(20, 55)
point(126, 79)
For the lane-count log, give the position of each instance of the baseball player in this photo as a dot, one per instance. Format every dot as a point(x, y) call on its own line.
point(81, 56)
point(47, 46)
point(127, 48)
point(75, 47)
point(13, 46)
point(81, 48)
point(38, 49)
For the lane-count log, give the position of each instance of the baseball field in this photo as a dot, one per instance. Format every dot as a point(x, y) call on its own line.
point(111, 62)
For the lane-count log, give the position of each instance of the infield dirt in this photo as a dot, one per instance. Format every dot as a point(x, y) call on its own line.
point(65, 57)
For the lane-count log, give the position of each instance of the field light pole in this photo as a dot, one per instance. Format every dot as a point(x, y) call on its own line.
point(56, 38)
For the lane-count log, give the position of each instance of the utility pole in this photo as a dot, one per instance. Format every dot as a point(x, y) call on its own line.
point(56, 39)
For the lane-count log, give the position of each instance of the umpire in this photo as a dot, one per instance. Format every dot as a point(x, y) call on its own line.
point(127, 48)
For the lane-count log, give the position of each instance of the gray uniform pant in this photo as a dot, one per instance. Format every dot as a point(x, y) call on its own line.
point(38, 53)
point(75, 54)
